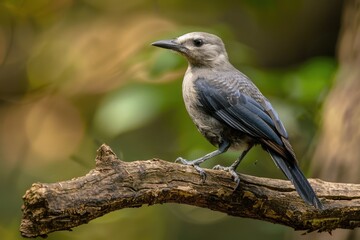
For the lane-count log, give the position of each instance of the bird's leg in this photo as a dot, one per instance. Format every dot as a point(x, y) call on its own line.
point(223, 147)
point(231, 169)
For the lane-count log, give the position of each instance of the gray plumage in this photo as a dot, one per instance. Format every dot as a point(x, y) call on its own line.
point(230, 111)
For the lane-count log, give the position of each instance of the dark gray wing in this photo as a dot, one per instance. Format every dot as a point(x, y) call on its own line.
point(243, 113)
point(260, 121)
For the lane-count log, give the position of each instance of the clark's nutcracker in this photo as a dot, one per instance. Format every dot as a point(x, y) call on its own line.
point(230, 111)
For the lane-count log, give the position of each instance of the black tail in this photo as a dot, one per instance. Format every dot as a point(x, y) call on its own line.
point(302, 185)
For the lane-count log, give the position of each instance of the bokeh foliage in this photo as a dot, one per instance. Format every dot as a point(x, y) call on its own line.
point(75, 74)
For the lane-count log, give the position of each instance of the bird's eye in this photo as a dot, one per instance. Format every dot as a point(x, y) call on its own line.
point(198, 42)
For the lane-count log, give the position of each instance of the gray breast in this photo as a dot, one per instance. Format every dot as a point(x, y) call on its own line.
point(213, 130)
point(206, 124)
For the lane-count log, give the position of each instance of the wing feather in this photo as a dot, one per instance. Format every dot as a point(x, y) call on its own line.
point(243, 113)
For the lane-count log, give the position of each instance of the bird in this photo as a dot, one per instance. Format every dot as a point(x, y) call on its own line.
point(231, 112)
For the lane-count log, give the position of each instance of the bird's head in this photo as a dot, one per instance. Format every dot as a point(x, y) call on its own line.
point(201, 49)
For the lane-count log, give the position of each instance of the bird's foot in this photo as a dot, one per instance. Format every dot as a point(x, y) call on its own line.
point(232, 171)
point(195, 164)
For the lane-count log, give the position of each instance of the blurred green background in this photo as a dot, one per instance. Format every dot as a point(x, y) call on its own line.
point(75, 74)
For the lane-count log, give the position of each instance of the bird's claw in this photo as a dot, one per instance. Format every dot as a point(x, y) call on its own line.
point(201, 172)
point(233, 173)
point(195, 165)
point(182, 161)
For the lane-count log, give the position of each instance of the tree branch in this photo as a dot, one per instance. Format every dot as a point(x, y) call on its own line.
point(115, 184)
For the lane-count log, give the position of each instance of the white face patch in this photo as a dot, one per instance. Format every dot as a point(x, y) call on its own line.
point(200, 35)
point(190, 36)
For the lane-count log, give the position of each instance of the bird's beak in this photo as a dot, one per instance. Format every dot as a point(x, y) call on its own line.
point(169, 44)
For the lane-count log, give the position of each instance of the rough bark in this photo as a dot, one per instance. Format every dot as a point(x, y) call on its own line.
point(115, 184)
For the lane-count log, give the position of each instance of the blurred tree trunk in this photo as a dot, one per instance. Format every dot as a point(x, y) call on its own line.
point(337, 155)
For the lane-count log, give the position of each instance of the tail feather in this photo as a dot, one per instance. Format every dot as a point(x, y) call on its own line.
point(302, 185)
